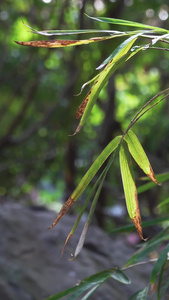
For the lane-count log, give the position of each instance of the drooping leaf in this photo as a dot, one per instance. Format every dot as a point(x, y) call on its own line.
point(87, 178)
point(140, 295)
point(159, 264)
point(87, 83)
point(130, 189)
point(91, 283)
point(62, 43)
point(120, 55)
point(98, 184)
point(91, 212)
point(139, 155)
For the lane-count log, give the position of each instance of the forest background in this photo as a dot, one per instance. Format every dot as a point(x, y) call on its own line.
point(40, 163)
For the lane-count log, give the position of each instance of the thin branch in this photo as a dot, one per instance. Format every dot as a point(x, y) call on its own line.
point(141, 263)
point(140, 113)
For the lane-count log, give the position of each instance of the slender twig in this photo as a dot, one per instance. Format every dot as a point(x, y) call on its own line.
point(140, 113)
point(141, 263)
point(159, 48)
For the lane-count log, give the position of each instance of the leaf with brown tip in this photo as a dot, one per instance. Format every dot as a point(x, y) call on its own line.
point(139, 155)
point(61, 43)
point(130, 189)
point(63, 211)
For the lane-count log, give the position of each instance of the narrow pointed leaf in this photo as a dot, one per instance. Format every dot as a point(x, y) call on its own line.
point(120, 56)
point(62, 43)
point(162, 287)
point(159, 264)
point(88, 177)
point(139, 155)
point(93, 281)
point(91, 212)
point(149, 247)
point(145, 224)
point(160, 178)
point(89, 293)
point(130, 189)
point(121, 277)
point(81, 240)
point(140, 295)
point(164, 202)
point(127, 23)
point(70, 32)
point(86, 83)
point(134, 51)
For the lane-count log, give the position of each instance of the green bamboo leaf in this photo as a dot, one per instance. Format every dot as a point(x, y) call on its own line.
point(99, 182)
point(160, 280)
point(139, 155)
point(162, 287)
point(159, 264)
point(93, 281)
point(120, 276)
point(149, 247)
point(87, 83)
point(145, 224)
point(147, 186)
point(164, 202)
point(130, 189)
point(90, 292)
point(127, 23)
point(121, 54)
point(88, 177)
point(134, 50)
point(140, 295)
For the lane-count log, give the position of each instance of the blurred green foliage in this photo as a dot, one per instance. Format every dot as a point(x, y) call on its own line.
point(39, 161)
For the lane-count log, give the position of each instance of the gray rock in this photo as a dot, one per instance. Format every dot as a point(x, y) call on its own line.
point(30, 264)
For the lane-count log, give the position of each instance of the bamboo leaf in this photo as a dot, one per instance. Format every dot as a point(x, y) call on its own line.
point(149, 247)
point(87, 178)
point(162, 288)
point(91, 212)
point(159, 288)
point(89, 293)
point(145, 224)
point(127, 23)
point(160, 178)
point(134, 50)
point(140, 295)
point(62, 43)
point(91, 283)
point(70, 32)
point(164, 202)
point(86, 83)
point(139, 155)
point(130, 189)
point(120, 55)
point(159, 264)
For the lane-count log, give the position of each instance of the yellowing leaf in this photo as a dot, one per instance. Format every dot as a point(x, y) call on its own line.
point(139, 155)
point(130, 189)
point(62, 43)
